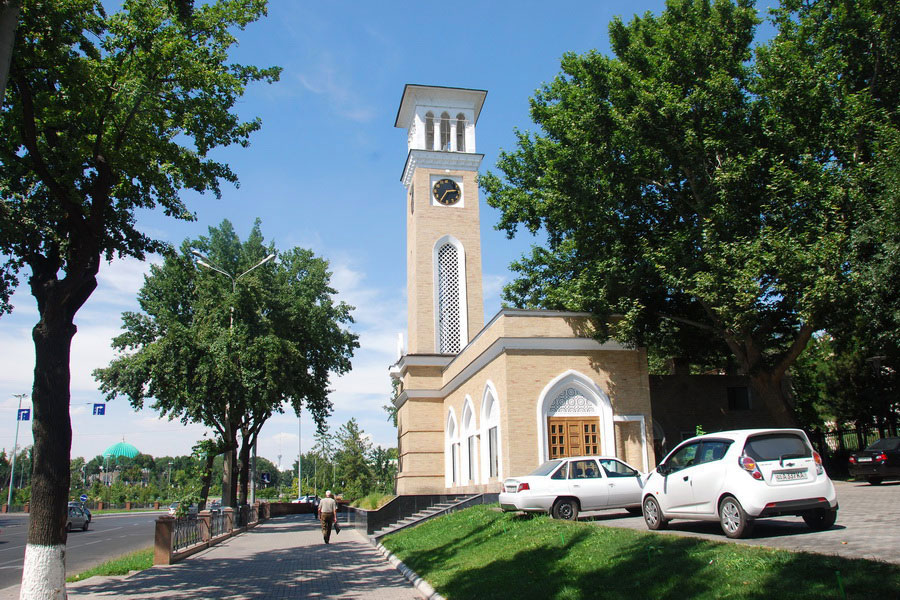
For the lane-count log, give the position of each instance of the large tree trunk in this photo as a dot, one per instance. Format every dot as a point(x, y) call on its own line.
point(769, 389)
point(229, 481)
point(9, 19)
point(43, 575)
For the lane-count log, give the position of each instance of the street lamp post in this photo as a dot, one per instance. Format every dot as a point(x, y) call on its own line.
point(12, 467)
point(203, 261)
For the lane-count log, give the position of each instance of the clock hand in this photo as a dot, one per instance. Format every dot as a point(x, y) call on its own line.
point(444, 194)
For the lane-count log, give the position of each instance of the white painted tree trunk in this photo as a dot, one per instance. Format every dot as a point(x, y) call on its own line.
point(44, 574)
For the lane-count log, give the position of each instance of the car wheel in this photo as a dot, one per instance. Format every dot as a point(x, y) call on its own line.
point(635, 510)
point(85, 526)
point(566, 509)
point(821, 519)
point(735, 522)
point(874, 480)
point(653, 515)
point(68, 526)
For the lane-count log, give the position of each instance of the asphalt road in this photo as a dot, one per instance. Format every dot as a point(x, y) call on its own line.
point(109, 536)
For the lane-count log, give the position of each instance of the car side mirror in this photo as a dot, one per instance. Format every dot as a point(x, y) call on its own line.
point(663, 469)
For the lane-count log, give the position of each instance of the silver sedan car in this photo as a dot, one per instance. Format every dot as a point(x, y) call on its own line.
point(563, 487)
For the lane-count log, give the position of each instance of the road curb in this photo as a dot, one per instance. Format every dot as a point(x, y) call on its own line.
point(420, 584)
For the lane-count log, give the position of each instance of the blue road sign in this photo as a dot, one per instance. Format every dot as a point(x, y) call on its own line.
point(83, 497)
point(24, 414)
point(99, 409)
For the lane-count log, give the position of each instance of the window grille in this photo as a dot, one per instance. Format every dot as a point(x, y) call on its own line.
point(449, 326)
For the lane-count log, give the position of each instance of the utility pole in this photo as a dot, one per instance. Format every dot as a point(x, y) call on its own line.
point(12, 468)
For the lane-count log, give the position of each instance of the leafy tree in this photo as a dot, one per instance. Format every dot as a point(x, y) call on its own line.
point(104, 114)
point(206, 450)
point(384, 468)
point(352, 461)
point(705, 193)
point(229, 355)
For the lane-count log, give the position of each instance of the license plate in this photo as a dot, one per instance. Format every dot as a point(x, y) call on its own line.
point(790, 476)
point(864, 459)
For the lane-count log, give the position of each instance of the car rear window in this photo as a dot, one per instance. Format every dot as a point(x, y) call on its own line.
point(775, 446)
point(546, 468)
point(885, 444)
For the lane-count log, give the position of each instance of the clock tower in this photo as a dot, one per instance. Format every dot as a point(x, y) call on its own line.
point(443, 241)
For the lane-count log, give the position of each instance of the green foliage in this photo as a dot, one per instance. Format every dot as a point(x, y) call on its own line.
point(373, 500)
point(230, 353)
point(354, 471)
point(483, 553)
point(709, 196)
point(107, 113)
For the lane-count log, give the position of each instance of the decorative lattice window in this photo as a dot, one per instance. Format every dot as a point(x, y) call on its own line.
point(449, 321)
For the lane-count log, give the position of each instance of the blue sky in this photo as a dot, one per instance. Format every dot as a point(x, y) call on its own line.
point(324, 173)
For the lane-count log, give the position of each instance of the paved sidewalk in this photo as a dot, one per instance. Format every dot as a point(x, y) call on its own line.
point(282, 558)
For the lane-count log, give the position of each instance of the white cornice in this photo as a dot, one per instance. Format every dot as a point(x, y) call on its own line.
point(500, 346)
point(436, 159)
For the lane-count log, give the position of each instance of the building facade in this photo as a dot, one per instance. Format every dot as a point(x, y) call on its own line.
point(479, 402)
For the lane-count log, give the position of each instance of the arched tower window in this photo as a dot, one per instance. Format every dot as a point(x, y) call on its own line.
point(460, 132)
point(451, 451)
point(429, 131)
point(490, 434)
point(450, 299)
point(445, 131)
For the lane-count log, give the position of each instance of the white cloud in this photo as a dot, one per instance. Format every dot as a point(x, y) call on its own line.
point(324, 79)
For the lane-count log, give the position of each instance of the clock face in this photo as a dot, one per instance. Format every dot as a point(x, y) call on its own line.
point(446, 191)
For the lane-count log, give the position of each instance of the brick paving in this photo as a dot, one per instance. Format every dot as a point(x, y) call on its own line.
point(282, 558)
point(868, 526)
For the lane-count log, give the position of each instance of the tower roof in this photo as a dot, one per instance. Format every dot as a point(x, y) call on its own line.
point(456, 97)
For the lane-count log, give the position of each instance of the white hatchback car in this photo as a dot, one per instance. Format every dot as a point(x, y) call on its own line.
point(565, 486)
point(735, 477)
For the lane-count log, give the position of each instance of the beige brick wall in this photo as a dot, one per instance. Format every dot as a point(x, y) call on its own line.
point(519, 377)
point(425, 225)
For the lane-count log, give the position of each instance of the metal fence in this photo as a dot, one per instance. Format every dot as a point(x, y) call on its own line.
point(217, 524)
point(186, 533)
point(838, 442)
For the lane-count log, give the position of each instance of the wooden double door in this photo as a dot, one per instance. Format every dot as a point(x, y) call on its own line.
point(573, 436)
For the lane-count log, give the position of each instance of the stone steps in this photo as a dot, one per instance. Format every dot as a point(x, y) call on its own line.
point(420, 516)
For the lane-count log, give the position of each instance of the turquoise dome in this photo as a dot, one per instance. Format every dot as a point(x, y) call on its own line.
point(121, 449)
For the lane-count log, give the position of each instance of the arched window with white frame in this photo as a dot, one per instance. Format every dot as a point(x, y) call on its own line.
point(450, 296)
point(460, 132)
point(451, 451)
point(470, 438)
point(490, 434)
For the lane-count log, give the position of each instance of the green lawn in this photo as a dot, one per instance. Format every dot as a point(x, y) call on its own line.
point(136, 561)
point(483, 553)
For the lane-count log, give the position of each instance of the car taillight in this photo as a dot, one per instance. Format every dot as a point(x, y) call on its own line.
point(522, 487)
point(852, 460)
point(820, 468)
point(881, 456)
point(749, 465)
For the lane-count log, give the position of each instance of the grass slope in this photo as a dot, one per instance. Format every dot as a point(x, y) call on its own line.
point(483, 553)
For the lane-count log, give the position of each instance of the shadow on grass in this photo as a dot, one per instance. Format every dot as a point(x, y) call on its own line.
point(486, 556)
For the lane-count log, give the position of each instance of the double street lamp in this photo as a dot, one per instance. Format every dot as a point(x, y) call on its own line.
point(203, 261)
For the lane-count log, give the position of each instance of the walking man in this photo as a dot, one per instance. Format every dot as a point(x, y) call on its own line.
point(328, 516)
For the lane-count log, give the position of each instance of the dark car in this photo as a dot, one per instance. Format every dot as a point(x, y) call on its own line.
point(87, 512)
point(879, 461)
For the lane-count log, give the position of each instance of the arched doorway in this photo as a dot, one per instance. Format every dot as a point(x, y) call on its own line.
point(574, 418)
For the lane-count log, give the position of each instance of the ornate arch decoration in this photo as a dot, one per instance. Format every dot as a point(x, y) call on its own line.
point(574, 394)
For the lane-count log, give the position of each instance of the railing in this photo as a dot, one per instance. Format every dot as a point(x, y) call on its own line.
point(218, 525)
point(186, 533)
point(175, 539)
